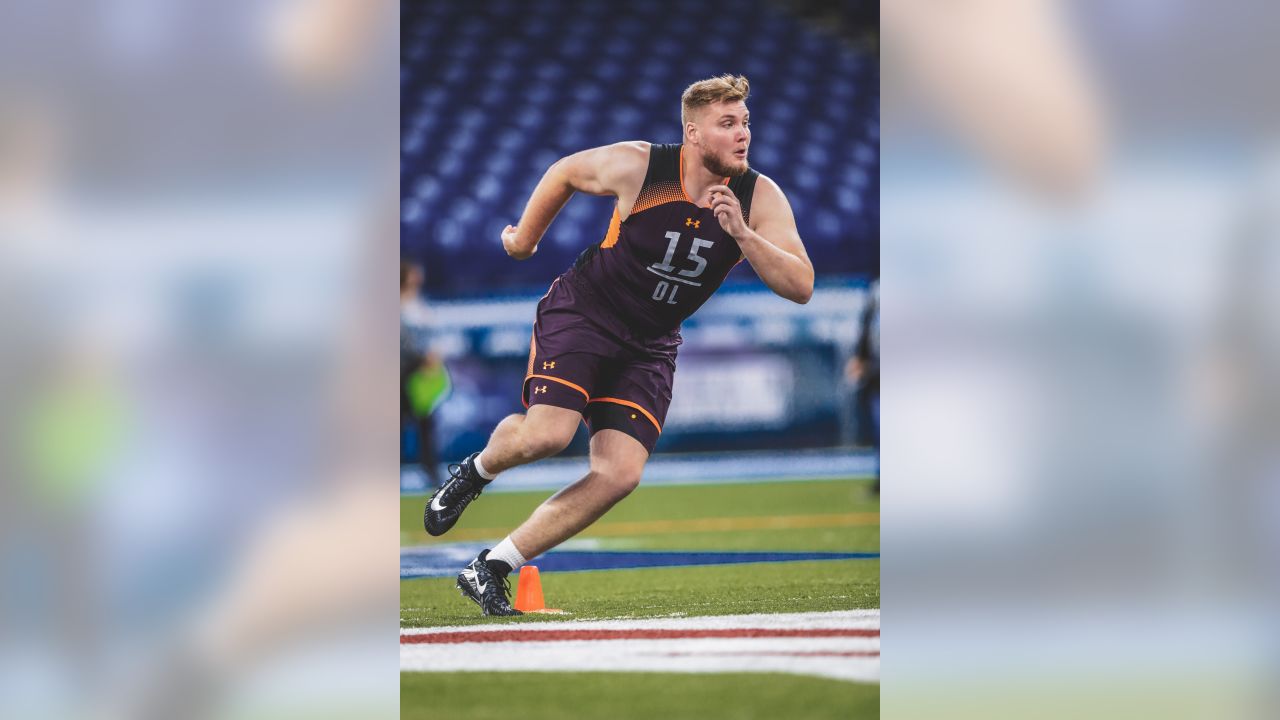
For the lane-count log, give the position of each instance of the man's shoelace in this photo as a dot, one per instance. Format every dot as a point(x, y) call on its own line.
point(458, 481)
point(504, 582)
point(455, 471)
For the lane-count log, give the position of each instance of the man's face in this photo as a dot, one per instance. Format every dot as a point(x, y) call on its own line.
point(724, 133)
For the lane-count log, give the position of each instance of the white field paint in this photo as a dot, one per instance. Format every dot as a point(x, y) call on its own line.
point(842, 645)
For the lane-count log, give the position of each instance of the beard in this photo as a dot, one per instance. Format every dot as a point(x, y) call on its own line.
point(719, 167)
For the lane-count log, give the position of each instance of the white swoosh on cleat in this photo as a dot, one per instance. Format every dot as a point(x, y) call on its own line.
point(470, 576)
point(436, 506)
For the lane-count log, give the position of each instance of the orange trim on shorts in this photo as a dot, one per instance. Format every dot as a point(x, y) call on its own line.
point(615, 227)
point(585, 394)
point(630, 404)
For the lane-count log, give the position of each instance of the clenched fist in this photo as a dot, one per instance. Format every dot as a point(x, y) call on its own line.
point(509, 244)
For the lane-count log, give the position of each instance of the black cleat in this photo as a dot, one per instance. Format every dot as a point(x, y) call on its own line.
point(447, 504)
point(491, 592)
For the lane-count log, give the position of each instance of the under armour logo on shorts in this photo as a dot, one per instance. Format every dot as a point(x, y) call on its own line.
point(540, 389)
point(549, 365)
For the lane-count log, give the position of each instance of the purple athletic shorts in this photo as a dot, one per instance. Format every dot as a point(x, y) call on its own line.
point(582, 359)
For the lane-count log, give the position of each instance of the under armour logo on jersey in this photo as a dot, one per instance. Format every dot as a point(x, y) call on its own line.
point(695, 223)
point(549, 365)
point(540, 389)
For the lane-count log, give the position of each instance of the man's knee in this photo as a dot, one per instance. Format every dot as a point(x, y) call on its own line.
point(627, 480)
point(544, 442)
point(621, 479)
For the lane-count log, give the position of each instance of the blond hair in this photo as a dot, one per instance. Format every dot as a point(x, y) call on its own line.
point(724, 88)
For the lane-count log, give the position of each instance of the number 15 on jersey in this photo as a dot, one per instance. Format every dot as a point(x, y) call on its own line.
point(669, 286)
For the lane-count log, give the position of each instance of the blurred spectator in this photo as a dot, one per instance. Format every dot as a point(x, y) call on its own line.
point(863, 371)
point(424, 379)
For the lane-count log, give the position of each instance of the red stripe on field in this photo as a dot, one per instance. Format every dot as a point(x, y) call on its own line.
point(558, 635)
point(748, 653)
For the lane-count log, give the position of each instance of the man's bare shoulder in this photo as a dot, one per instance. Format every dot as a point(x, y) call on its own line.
point(629, 157)
point(767, 185)
point(635, 147)
point(768, 193)
point(624, 166)
point(769, 203)
point(607, 170)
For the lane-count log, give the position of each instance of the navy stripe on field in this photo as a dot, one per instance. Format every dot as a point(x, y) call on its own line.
point(448, 561)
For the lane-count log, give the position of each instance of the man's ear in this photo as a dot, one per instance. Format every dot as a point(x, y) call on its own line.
point(691, 132)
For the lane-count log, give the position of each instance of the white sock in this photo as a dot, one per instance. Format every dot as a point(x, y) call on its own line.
point(481, 471)
point(506, 552)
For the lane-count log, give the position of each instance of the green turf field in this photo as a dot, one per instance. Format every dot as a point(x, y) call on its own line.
point(829, 515)
point(663, 592)
point(632, 696)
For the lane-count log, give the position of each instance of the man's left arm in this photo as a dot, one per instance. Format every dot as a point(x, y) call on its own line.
point(771, 244)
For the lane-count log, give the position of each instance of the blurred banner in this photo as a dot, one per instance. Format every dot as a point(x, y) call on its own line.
point(197, 233)
point(756, 372)
point(1079, 229)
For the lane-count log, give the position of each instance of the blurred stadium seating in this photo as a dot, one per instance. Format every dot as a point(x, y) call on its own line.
point(492, 94)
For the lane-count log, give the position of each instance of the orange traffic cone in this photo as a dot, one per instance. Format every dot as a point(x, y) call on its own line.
point(529, 591)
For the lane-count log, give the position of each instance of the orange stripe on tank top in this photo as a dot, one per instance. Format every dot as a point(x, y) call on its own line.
point(615, 227)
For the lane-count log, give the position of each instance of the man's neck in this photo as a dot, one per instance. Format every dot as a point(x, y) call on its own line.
point(697, 178)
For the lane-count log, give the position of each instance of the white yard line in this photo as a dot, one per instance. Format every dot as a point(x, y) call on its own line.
point(854, 656)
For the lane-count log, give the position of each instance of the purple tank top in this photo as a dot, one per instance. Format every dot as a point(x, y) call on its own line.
point(658, 266)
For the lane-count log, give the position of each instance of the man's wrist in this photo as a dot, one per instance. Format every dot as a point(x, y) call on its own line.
point(746, 236)
point(519, 241)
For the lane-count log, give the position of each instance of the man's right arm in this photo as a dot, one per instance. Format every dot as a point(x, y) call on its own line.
point(615, 169)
